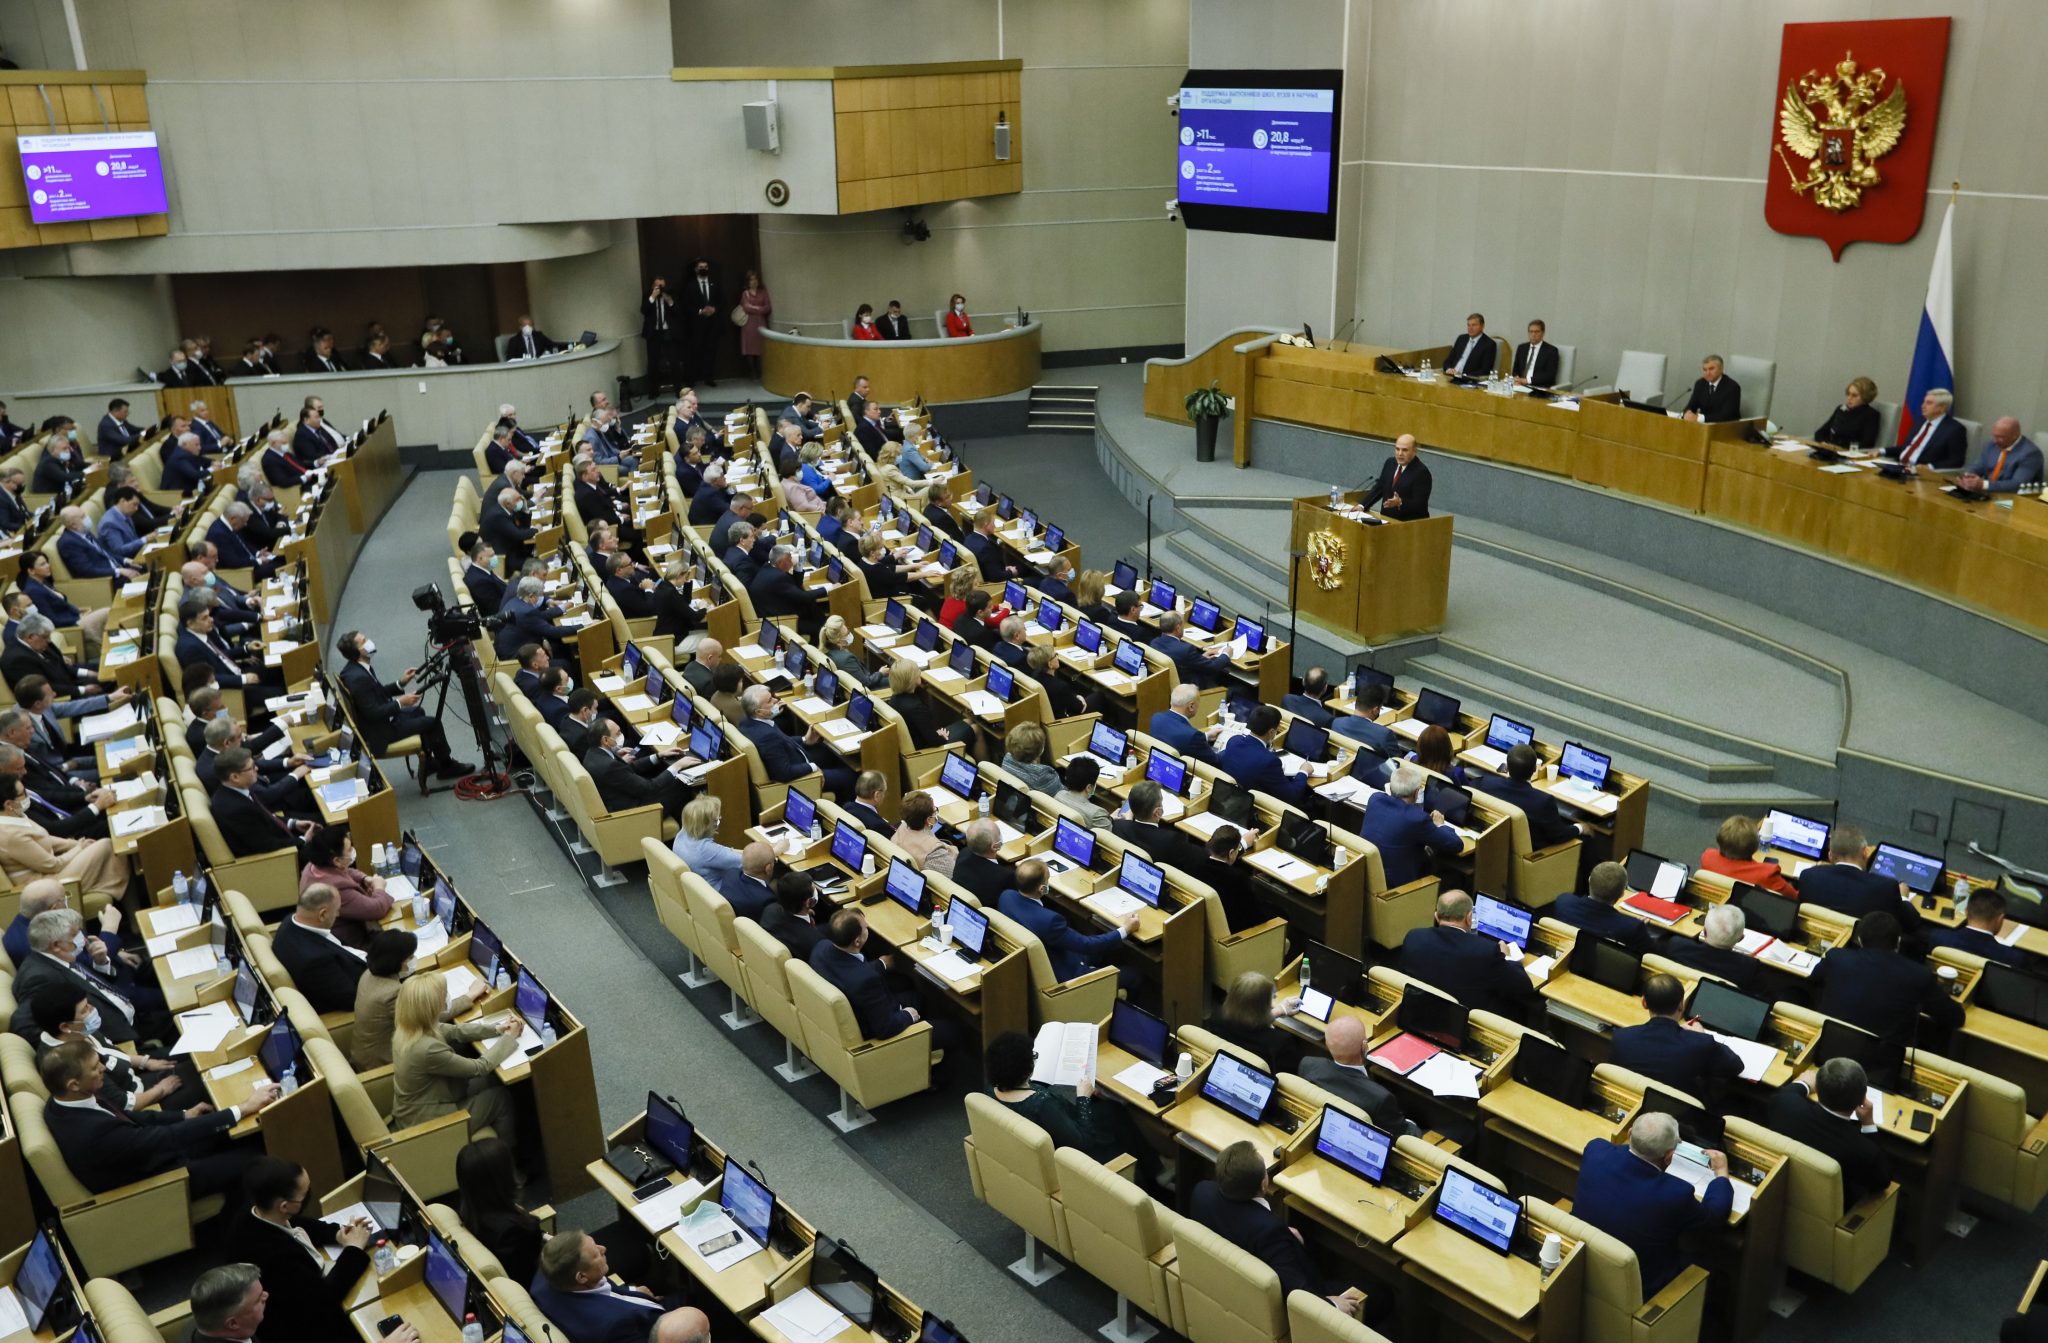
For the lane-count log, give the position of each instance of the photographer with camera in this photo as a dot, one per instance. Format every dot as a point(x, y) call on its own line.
point(385, 712)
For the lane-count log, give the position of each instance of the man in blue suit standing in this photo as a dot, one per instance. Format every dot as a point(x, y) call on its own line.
point(1595, 912)
point(1402, 831)
point(1471, 967)
point(1073, 953)
point(1547, 825)
point(1628, 1193)
point(1174, 725)
point(1250, 759)
point(1664, 1049)
point(1195, 666)
point(573, 1288)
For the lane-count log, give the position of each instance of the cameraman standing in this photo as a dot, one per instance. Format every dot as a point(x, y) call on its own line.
point(661, 325)
point(384, 712)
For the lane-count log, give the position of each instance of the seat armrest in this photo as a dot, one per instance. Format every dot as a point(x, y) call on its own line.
point(1080, 982)
point(1854, 1218)
point(1124, 1166)
point(1551, 852)
point(2036, 1140)
point(544, 1213)
point(1416, 886)
point(1257, 930)
point(1693, 1279)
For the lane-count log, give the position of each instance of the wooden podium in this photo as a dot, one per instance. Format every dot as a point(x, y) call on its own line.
point(1388, 581)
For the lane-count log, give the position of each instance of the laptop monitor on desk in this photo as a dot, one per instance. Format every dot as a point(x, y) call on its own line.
point(1441, 1021)
point(1722, 1009)
point(1502, 919)
point(1552, 1070)
point(1353, 1144)
point(1437, 709)
point(1238, 1087)
point(1504, 734)
point(1920, 871)
point(1139, 1033)
point(1485, 1214)
point(1587, 766)
point(1799, 834)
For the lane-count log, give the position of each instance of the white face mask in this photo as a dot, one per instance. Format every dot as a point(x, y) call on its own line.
point(526, 330)
point(29, 612)
point(369, 648)
point(959, 307)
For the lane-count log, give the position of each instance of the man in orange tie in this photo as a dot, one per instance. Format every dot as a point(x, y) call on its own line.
point(2008, 461)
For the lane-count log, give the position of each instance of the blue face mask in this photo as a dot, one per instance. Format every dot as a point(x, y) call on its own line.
point(92, 1022)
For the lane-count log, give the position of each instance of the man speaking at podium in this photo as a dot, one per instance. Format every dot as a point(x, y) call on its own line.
point(1402, 491)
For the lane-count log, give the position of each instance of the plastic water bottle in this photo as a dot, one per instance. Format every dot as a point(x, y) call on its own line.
point(1428, 373)
point(981, 806)
point(1336, 497)
point(1959, 888)
point(472, 1332)
point(289, 1083)
point(1304, 974)
point(384, 1257)
point(547, 1034)
point(817, 830)
point(501, 975)
point(182, 887)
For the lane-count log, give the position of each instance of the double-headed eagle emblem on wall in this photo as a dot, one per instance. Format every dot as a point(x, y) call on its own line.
point(1841, 123)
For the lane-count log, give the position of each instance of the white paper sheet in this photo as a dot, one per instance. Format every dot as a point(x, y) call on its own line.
point(711, 1229)
point(1281, 864)
point(134, 822)
point(230, 1069)
point(1114, 904)
point(191, 961)
point(1142, 1077)
point(805, 1317)
point(952, 965)
point(1445, 1074)
point(665, 1209)
point(174, 918)
point(13, 1317)
point(1699, 1177)
point(202, 1031)
point(1756, 1058)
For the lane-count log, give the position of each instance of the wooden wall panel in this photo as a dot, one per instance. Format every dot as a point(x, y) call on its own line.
point(76, 110)
point(914, 138)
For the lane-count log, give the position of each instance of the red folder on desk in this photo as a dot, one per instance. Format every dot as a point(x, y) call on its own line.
point(1663, 911)
point(1405, 1053)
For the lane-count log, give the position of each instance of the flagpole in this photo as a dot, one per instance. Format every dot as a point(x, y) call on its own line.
point(1954, 190)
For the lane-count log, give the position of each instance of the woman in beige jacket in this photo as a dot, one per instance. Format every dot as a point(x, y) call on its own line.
point(28, 851)
point(429, 1079)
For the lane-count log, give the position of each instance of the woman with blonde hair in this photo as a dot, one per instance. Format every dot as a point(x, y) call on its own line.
point(430, 1079)
point(905, 679)
point(1088, 594)
point(28, 851)
point(696, 842)
point(959, 583)
point(1024, 757)
point(836, 638)
point(894, 483)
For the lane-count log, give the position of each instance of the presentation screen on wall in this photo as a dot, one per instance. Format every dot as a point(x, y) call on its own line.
point(1258, 151)
point(105, 176)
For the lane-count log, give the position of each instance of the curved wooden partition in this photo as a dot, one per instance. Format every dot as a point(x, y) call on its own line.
point(969, 369)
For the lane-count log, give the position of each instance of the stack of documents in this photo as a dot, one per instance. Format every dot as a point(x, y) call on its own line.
point(805, 1317)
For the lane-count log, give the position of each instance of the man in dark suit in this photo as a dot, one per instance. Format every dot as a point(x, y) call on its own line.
point(877, 1009)
point(1343, 1074)
point(1716, 398)
point(247, 825)
point(184, 372)
point(1402, 490)
point(486, 588)
point(307, 1295)
point(1146, 827)
point(530, 619)
point(386, 712)
point(1846, 885)
point(1469, 966)
point(1536, 359)
point(322, 357)
point(749, 890)
point(13, 512)
point(1826, 1108)
point(572, 1288)
point(1238, 1205)
point(235, 552)
point(1173, 725)
point(783, 756)
point(320, 965)
point(868, 790)
point(1666, 1049)
point(712, 500)
point(529, 341)
point(1250, 759)
point(105, 1150)
point(1595, 912)
point(1713, 952)
point(792, 918)
point(251, 364)
point(1222, 870)
point(199, 642)
point(868, 429)
point(739, 509)
point(1940, 442)
point(1009, 647)
point(1983, 921)
point(776, 592)
point(1402, 831)
point(1195, 666)
point(1362, 725)
point(1547, 825)
point(704, 301)
point(623, 784)
point(82, 552)
point(633, 593)
point(1629, 1193)
point(506, 528)
point(977, 869)
point(987, 551)
point(1870, 984)
point(2009, 461)
point(661, 326)
point(1311, 701)
point(1473, 355)
point(184, 463)
point(61, 952)
point(1073, 953)
point(502, 450)
point(894, 325)
point(116, 436)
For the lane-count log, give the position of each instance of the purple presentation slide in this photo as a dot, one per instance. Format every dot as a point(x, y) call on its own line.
point(1257, 149)
point(105, 176)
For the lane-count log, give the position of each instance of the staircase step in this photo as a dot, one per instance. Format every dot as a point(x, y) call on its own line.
point(1064, 387)
point(1082, 413)
point(1255, 537)
point(1036, 428)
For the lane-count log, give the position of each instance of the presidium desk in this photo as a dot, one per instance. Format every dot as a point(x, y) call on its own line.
point(968, 369)
point(1988, 557)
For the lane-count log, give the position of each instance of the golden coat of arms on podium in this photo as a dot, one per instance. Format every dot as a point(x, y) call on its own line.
point(1326, 560)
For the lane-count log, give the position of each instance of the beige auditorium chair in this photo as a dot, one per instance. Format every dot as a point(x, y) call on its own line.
point(118, 1229)
point(121, 1318)
point(1087, 997)
point(665, 873)
point(1261, 947)
point(869, 1072)
point(270, 880)
point(1614, 1310)
point(1221, 1294)
point(18, 1067)
point(1010, 1162)
point(1824, 1239)
point(767, 961)
point(423, 1154)
point(718, 942)
point(1391, 913)
point(1536, 877)
point(472, 1251)
point(1117, 1232)
point(2005, 1150)
point(1312, 1319)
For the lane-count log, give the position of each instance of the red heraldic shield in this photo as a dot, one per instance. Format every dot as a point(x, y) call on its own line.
point(1852, 129)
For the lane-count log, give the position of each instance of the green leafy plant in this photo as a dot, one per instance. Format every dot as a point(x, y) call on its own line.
point(1207, 402)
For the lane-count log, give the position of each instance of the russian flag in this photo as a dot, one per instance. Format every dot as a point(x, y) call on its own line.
point(1934, 352)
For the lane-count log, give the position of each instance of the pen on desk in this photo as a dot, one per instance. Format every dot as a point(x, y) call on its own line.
point(1898, 1116)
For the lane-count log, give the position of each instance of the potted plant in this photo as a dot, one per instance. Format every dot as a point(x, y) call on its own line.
point(1205, 406)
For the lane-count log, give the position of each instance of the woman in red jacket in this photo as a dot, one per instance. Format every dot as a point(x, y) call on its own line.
point(864, 327)
point(957, 324)
point(1733, 854)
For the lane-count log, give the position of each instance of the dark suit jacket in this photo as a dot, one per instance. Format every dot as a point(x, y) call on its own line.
point(1469, 967)
point(1184, 737)
point(1881, 991)
point(1978, 943)
point(304, 1303)
point(1413, 489)
point(324, 971)
point(1546, 365)
point(672, 314)
point(871, 435)
point(517, 346)
point(248, 827)
point(1645, 1208)
point(1850, 427)
point(983, 878)
point(1948, 443)
point(1164, 843)
point(1405, 836)
point(508, 536)
point(1583, 911)
point(709, 504)
point(1547, 825)
point(37, 971)
point(776, 593)
point(527, 624)
point(588, 1317)
point(106, 1151)
point(745, 564)
point(13, 513)
point(1744, 972)
point(486, 589)
point(1851, 890)
point(635, 602)
point(781, 754)
point(1257, 1231)
point(1485, 359)
point(375, 703)
point(622, 784)
point(866, 987)
point(1664, 1051)
point(1717, 404)
point(800, 935)
point(673, 614)
point(1073, 953)
point(184, 471)
point(115, 437)
point(894, 328)
point(1257, 766)
point(988, 554)
point(1864, 1168)
point(1352, 1084)
point(1188, 660)
point(1309, 707)
point(191, 648)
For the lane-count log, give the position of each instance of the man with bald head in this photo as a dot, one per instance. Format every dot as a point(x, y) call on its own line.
point(2008, 461)
point(750, 890)
point(1343, 1074)
point(1402, 490)
point(685, 1324)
